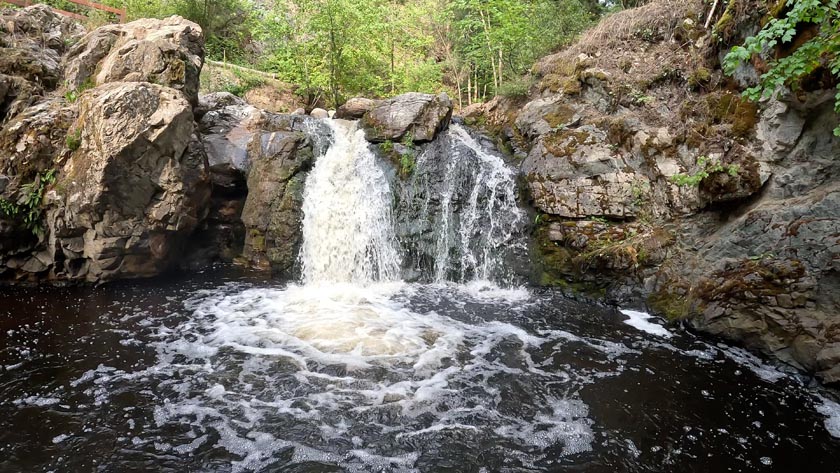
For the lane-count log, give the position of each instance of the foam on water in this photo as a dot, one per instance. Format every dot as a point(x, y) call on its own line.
point(641, 321)
point(831, 410)
point(344, 359)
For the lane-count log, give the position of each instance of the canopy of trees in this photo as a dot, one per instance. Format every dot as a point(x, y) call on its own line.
point(336, 49)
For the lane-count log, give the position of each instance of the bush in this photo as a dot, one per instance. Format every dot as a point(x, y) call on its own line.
point(517, 88)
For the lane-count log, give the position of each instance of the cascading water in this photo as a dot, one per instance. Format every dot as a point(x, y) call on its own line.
point(458, 215)
point(355, 370)
point(348, 231)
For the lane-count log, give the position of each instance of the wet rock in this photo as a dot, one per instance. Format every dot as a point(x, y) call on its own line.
point(420, 116)
point(169, 52)
point(356, 108)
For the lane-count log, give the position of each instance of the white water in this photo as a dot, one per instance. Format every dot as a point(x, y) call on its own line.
point(483, 222)
point(348, 230)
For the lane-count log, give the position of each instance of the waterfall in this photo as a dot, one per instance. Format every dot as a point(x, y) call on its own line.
point(348, 229)
point(455, 219)
point(458, 215)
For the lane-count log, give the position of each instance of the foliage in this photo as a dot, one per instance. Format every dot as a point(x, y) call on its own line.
point(73, 95)
point(407, 161)
point(27, 208)
point(707, 168)
point(516, 88)
point(820, 52)
point(498, 40)
point(73, 140)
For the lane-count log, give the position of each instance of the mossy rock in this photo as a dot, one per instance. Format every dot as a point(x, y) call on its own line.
point(565, 142)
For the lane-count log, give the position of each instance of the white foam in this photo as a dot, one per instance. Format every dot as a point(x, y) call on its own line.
point(831, 410)
point(641, 321)
point(753, 363)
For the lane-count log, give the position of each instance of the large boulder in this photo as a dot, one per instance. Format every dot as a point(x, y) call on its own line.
point(169, 52)
point(134, 190)
point(412, 115)
point(356, 108)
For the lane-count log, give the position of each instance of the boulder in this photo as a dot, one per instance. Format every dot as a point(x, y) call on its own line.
point(168, 52)
point(135, 189)
point(34, 141)
point(226, 133)
point(32, 41)
point(272, 213)
point(320, 114)
point(214, 101)
point(417, 116)
point(356, 108)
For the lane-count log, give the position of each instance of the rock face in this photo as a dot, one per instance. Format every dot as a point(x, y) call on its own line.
point(169, 52)
point(258, 164)
point(659, 187)
point(134, 191)
point(414, 115)
point(115, 176)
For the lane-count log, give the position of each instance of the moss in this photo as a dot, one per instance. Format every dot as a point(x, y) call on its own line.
point(561, 115)
point(699, 78)
point(670, 304)
point(565, 142)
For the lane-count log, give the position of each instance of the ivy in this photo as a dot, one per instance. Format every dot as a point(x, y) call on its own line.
point(27, 208)
point(822, 51)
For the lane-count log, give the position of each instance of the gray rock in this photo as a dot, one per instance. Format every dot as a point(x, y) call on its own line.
point(131, 195)
point(420, 116)
point(272, 213)
point(320, 114)
point(168, 52)
point(356, 108)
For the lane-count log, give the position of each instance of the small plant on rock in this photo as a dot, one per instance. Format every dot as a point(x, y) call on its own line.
point(707, 168)
point(27, 208)
point(73, 140)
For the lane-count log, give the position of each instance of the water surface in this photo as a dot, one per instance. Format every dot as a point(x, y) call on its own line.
point(225, 371)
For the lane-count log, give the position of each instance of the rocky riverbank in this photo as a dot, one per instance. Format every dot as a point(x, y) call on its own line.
point(659, 186)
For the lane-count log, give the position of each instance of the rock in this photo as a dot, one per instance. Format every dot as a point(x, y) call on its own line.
point(319, 113)
point(169, 52)
point(214, 101)
point(34, 141)
point(541, 116)
point(226, 133)
point(420, 116)
point(572, 173)
point(299, 111)
point(131, 195)
point(272, 213)
point(32, 41)
point(16, 94)
point(356, 108)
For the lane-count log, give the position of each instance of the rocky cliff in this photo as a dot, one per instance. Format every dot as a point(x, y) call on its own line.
point(113, 167)
point(658, 185)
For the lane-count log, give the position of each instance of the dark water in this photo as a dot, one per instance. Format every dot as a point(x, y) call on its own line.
point(226, 372)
